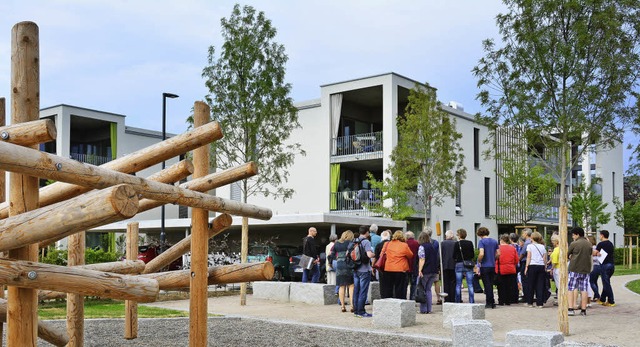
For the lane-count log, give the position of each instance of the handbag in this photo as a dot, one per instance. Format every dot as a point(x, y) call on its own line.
point(420, 296)
point(469, 264)
point(379, 265)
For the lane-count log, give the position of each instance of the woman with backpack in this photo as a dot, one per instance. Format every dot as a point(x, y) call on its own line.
point(344, 273)
point(428, 266)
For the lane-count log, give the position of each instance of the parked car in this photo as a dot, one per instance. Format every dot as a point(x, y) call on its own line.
point(296, 270)
point(148, 252)
point(277, 254)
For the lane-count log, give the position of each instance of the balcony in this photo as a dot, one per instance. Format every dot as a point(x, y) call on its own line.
point(356, 203)
point(90, 158)
point(359, 146)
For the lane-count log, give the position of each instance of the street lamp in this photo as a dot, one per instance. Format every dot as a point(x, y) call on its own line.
point(163, 235)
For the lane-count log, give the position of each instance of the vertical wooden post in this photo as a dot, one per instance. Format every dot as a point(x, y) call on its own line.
point(22, 315)
point(200, 243)
point(75, 302)
point(563, 290)
point(3, 196)
point(131, 307)
point(244, 253)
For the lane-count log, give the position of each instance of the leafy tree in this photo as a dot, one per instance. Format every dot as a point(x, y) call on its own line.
point(587, 208)
point(528, 192)
point(628, 214)
point(250, 99)
point(426, 164)
point(564, 75)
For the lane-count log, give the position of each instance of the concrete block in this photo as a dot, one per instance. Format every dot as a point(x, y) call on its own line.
point(374, 291)
point(581, 344)
point(394, 313)
point(271, 290)
point(471, 333)
point(534, 338)
point(452, 310)
point(313, 293)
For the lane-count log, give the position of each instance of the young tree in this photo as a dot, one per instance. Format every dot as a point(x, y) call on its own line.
point(564, 77)
point(628, 214)
point(250, 99)
point(427, 161)
point(587, 208)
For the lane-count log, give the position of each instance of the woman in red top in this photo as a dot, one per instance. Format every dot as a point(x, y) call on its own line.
point(506, 264)
point(396, 268)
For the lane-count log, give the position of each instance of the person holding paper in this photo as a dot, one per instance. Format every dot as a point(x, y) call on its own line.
point(605, 248)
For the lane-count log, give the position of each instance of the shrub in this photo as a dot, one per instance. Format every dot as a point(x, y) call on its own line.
point(59, 257)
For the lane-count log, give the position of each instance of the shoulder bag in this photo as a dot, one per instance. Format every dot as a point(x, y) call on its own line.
point(469, 264)
point(379, 265)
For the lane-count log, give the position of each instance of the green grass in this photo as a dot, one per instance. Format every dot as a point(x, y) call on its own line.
point(620, 271)
point(104, 308)
point(634, 286)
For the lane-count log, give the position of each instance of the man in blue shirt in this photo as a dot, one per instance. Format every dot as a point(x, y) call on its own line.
point(362, 276)
point(375, 238)
point(488, 248)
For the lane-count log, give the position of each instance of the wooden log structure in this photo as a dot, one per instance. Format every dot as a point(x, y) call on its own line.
point(46, 330)
point(29, 133)
point(62, 219)
point(22, 304)
point(198, 288)
point(26, 274)
point(75, 302)
point(3, 197)
point(235, 273)
point(131, 307)
point(44, 165)
point(219, 224)
point(132, 163)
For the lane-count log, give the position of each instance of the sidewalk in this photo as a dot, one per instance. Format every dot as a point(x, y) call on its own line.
point(603, 325)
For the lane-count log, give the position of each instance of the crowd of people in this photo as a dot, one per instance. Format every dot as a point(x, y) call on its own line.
point(520, 266)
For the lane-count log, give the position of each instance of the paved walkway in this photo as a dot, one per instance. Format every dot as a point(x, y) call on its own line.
point(603, 325)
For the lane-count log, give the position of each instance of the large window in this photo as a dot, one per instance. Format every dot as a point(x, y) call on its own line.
point(476, 148)
point(487, 196)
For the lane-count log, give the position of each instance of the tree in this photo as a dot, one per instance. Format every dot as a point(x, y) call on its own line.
point(250, 99)
point(427, 163)
point(587, 208)
point(564, 78)
point(628, 214)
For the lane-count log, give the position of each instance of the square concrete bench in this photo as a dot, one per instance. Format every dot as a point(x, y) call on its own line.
point(451, 311)
point(271, 290)
point(374, 291)
point(313, 293)
point(471, 333)
point(534, 338)
point(394, 313)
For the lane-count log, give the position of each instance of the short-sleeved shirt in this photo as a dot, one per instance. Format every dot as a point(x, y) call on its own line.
point(537, 254)
point(580, 253)
point(555, 258)
point(608, 247)
point(366, 263)
point(490, 246)
point(523, 250)
point(375, 240)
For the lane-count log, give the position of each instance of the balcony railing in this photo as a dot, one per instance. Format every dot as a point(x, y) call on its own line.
point(90, 158)
point(357, 144)
point(358, 202)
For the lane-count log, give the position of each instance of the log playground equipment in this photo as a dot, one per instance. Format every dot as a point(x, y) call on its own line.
point(86, 196)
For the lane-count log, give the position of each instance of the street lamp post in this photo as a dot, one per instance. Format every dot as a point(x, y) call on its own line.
point(163, 235)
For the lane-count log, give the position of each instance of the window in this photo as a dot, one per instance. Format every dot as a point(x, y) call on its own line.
point(487, 196)
point(476, 148)
point(458, 193)
point(613, 185)
point(236, 191)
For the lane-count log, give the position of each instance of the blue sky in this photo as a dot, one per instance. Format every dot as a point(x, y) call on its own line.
point(121, 55)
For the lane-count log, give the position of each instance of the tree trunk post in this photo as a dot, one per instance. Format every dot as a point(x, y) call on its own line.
point(22, 307)
point(563, 290)
point(75, 302)
point(131, 307)
point(3, 196)
point(244, 252)
point(200, 243)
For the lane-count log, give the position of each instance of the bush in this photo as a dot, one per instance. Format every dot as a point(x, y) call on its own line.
point(59, 257)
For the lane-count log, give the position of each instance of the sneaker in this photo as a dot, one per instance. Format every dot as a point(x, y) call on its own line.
point(600, 302)
point(540, 306)
point(366, 315)
point(527, 305)
point(588, 305)
point(608, 304)
point(572, 313)
point(583, 313)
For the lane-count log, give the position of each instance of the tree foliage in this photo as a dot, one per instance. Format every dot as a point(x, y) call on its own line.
point(628, 213)
point(427, 163)
point(588, 209)
point(250, 99)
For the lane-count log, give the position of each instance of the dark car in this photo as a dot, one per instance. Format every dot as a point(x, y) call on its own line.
point(147, 253)
point(279, 255)
point(296, 270)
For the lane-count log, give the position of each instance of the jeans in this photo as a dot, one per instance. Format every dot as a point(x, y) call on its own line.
point(427, 281)
point(315, 274)
point(593, 280)
point(461, 270)
point(413, 279)
point(361, 282)
point(487, 274)
point(607, 270)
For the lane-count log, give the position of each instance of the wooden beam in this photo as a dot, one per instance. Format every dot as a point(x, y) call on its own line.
point(22, 306)
point(3, 198)
point(198, 299)
point(133, 162)
point(46, 330)
point(131, 307)
point(219, 224)
point(235, 273)
point(44, 165)
point(65, 218)
point(75, 302)
point(74, 280)
point(29, 133)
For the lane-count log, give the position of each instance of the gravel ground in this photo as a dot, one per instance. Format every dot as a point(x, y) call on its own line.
point(235, 332)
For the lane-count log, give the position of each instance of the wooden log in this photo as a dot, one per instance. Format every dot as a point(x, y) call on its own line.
point(75, 302)
point(22, 306)
point(211, 181)
point(198, 300)
point(131, 307)
point(29, 133)
point(75, 280)
point(46, 330)
point(235, 273)
point(133, 162)
point(62, 219)
point(3, 197)
point(219, 224)
point(32, 162)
